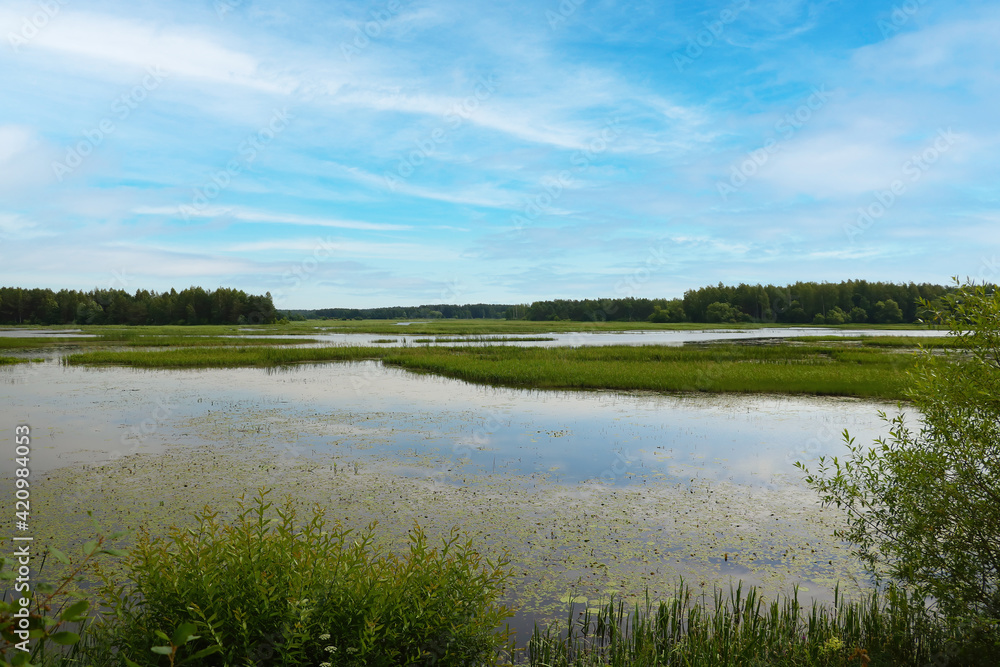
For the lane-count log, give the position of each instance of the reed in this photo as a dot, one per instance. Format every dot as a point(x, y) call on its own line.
point(740, 628)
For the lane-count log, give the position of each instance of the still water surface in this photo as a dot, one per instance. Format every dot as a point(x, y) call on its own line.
point(594, 493)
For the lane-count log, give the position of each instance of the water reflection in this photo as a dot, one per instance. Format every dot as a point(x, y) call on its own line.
point(429, 425)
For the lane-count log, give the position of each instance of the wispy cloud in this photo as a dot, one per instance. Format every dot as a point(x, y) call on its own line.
point(266, 217)
point(413, 158)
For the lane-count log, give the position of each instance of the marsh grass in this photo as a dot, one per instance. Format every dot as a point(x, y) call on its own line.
point(139, 340)
point(912, 342)
point(739, 628)
point(8, 343)
point(134, 339)
point(9, 361)
point(782, 369)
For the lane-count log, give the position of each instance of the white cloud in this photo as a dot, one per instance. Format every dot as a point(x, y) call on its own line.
point(180, 51)
point(265, 217)
point(13, 226)
point(407, 251)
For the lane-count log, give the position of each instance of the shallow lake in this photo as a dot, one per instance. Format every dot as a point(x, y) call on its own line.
point(591, 493)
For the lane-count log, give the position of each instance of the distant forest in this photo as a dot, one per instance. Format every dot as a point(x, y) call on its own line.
point(110, 306)
point(852, 301)
point(444, 310)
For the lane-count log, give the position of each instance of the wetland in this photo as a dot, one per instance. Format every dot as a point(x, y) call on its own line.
point(619, 491)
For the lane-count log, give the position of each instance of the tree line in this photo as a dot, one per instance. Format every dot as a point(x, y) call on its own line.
point(433, 311)
point(193, 305)
point(851, 301)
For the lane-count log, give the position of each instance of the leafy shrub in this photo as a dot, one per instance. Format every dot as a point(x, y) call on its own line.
point(37, 632)
point(264, 590)
point(922, 505)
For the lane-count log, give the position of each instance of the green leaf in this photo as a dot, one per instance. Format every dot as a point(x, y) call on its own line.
point(65, 638)
point(163, 650)
point(162, 635)
point(60, 556)
point(131, 663)
point(183, 634)
point(90, 547)
point(75, 612)
point(201, 654)
point(115, 552)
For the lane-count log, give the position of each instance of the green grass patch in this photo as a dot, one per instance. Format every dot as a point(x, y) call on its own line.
point(10, 361)
point(221, 357)
point(942, 342)
point(783, 369)
point(38, 342)
point(721, 368)
point(136, 339)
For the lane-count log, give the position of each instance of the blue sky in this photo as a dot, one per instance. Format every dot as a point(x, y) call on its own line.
point(400, 152)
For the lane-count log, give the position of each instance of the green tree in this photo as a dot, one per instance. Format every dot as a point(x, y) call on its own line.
point(836, 316)
point(720, 312)
point(858, 314)
point(888, 312)
point(923, 506)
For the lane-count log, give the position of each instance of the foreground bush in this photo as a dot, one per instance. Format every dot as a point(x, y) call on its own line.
point(268, 591)
point(923, 505)
point(41, 631)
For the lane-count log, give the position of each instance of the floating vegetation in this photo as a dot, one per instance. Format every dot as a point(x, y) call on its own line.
point(589, 538)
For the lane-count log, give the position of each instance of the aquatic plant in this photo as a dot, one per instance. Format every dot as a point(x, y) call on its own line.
point(738, 627)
